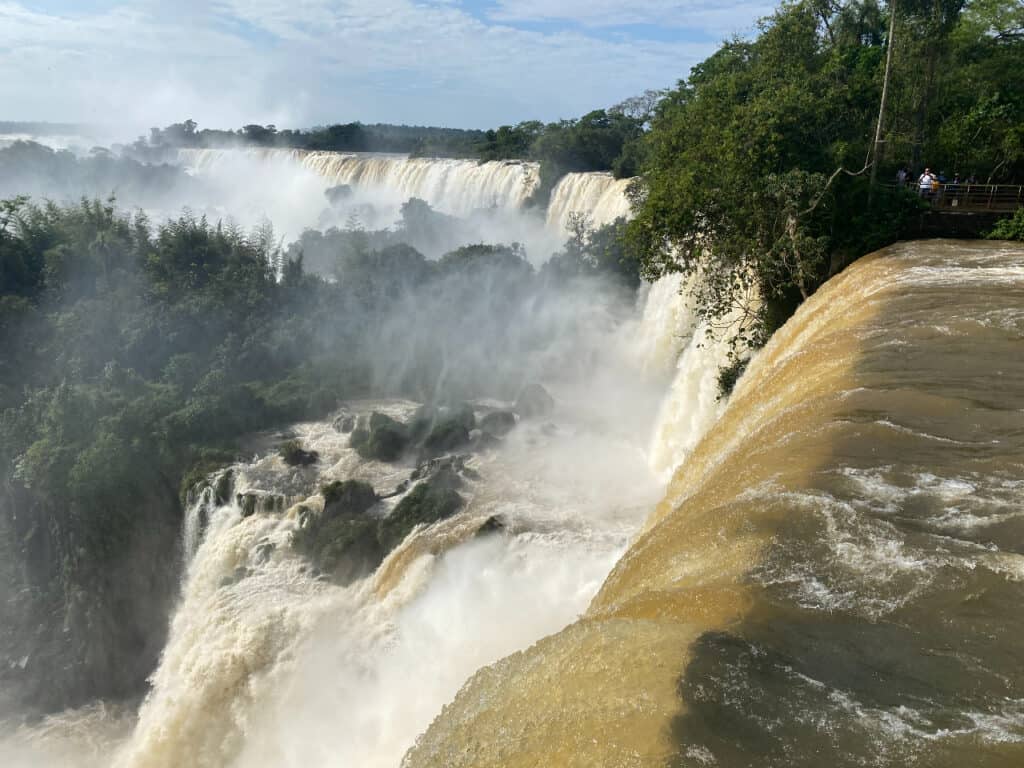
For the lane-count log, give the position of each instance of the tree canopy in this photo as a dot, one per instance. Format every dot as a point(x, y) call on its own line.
point(755, 167)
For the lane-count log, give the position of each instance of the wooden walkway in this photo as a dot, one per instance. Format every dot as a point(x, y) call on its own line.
point(973, 198)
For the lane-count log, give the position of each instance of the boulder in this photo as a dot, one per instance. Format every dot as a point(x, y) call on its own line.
point(223, 486)
point(498, 423)
point(347, 498)
point(381, 438)
point(444, 429)
point(534, 402)
point(247, 503)
point(342, 540)
point(294, 455)
point(445, 437)
point(460, 413)
point(493, 524)
point(345, 549)
point(432, 500)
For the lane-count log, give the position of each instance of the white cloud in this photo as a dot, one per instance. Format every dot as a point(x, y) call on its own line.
point(707, 16)
point(299, 62)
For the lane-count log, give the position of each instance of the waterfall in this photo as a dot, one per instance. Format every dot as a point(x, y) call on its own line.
point(833, 574)
point(600, 197)
point(264, 656)
point(456, 187)
point(270, 664)
point(287, 185)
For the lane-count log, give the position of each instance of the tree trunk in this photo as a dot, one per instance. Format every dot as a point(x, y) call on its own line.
point(877, 149)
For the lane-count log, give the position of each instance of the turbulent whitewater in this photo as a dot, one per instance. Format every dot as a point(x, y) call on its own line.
point(835, 574)
point(269, 664)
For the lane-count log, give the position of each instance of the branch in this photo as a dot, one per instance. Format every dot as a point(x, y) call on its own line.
point(828, 184)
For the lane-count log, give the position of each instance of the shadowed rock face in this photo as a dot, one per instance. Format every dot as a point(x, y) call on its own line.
point(835, 575)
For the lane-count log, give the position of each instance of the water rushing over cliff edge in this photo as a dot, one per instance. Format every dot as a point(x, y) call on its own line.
point(835, 574)
point(378, 184)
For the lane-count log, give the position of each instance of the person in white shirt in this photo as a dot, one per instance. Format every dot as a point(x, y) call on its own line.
point(925, 183)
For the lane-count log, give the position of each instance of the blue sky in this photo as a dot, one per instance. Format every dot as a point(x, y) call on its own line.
point(465, 63)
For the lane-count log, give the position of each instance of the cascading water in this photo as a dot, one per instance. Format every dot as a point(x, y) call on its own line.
point(600, 197)
point(456, 187)
point(491, 196)
point(834, 575)
point(268, 665)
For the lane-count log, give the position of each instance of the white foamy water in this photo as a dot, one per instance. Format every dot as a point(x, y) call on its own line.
point(268, 664)
point(287, 186)
point(598, 196)
point(457, 187)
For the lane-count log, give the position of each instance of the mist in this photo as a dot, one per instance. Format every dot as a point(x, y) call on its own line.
point(330, 289)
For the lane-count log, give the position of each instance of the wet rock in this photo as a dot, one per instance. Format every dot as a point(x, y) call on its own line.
point(401, 488)
point(247, 503)
point(240, 573)
point(341, 541)
point(448, 431)
point(493, 524)
point(252, 502)
point(446, 436)
point(346, 549)
point(498, 423)
point(223, 486)
point(455, 463)
point(264, 550)
point(294, 455)
point(304, 516)
point(534, 402)
point(460, 413)
point(347, 498)
point(434, 499)
point(381, 438)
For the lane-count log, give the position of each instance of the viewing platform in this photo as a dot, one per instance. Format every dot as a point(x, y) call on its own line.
point(963, 210)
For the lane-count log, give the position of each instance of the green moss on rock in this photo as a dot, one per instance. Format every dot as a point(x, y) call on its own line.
point(347, 498)
point(381, 438)
point(430, 501)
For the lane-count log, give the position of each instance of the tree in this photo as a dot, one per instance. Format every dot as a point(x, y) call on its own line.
point(754, 165)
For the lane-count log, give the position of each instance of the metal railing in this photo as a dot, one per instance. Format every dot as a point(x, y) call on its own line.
point(967, 198)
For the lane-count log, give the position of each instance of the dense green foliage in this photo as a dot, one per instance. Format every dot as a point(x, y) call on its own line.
point(28, 168)
point(1009, 229)
point(602, 140)
point(758, 165)
point(349, 137)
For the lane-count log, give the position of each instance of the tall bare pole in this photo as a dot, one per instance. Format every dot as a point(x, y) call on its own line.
point(876, 152)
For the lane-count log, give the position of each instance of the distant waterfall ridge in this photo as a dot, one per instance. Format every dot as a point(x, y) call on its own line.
point(451, 186)
point(456, 187)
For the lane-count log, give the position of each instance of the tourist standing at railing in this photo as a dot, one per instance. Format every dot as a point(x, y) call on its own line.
point(926, 182)
point(902, 176)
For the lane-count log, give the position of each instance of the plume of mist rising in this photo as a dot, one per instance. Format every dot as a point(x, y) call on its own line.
point(478, 323)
